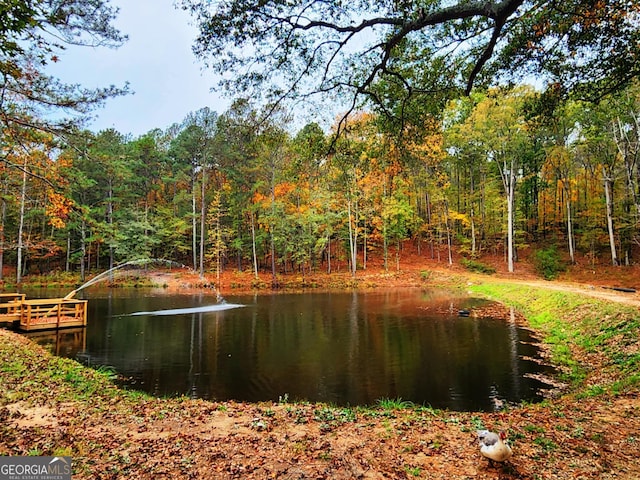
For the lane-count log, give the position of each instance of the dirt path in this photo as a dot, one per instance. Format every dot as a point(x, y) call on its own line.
point(600, 292)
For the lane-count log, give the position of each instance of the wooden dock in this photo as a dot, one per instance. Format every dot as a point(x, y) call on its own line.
point(42, 314)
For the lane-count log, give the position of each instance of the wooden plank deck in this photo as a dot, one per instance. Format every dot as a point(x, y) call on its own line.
point(53, 313)
point(42, 314)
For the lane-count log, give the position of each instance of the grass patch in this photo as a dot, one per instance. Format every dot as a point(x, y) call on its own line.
point(330, 417)
point(52, 280)
point(476, 266)
point(27, 370)
point(546, 444)
point(394, 403)
point(548, 263)
point(425, 275)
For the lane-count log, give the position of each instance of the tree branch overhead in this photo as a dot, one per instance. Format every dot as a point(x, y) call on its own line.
point(297, 50)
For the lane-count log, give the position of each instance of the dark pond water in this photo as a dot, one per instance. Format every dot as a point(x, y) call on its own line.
point(342, 348)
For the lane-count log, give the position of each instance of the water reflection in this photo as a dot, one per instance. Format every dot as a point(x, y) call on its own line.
point(343, 348)
point(68, 342)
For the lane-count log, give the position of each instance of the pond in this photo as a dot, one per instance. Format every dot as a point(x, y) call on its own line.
point(350, 348)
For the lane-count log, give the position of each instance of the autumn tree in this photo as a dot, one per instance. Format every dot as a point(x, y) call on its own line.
point(496, 127)
point(186, 154)
point(218, 235)
point(195, 147)
point(83, 190)
point(31, 200)
point(272, 155)
point(625, 130)
point(239, 150)
point(353, 150)
point(33, 35)
point(4, 198)
point(553, 184)
point(599, 146)
point(308, 166)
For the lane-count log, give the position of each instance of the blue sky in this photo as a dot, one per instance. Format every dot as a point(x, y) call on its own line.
point(156, 61)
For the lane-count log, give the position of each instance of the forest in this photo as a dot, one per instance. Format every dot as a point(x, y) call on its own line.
point(494, 171)
point(467, 129)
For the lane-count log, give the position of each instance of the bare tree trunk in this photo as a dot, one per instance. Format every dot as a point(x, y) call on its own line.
point(218, 250)
point(352, 241)
point(385, 245)
point(110, 221)
point(83, 250)
point(23, 199)
point(3, 217)
point(273, 261)
point(626, 139)
point(629, 149)
point(217, 246)
point(364, 248)
point(194, 222)
point(429, 220)
point(473, 234)
point(608, 188)
point(510, 241)
point(203, 213)
point(570, 237)
point(471, 216)
point(253, 246)
point(448, 229)
point(67, 263)
point(509, 183)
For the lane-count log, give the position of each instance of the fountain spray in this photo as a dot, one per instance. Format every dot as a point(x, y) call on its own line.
point(143, 261)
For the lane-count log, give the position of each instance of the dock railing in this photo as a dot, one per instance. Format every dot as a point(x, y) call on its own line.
point(11, 306)
point(53, 313)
